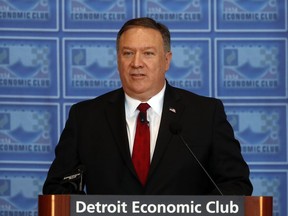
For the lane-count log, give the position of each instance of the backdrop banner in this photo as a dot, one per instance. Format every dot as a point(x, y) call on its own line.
point(54, 53)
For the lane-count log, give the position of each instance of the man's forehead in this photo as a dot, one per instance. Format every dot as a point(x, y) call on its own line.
point(142, 35)
point(141, 30)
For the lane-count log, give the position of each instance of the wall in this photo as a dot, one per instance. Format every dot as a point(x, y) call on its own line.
point(54, 53)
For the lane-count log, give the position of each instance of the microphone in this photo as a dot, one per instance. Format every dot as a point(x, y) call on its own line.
point(74, 181)
point(176, 129)
point(143, 118)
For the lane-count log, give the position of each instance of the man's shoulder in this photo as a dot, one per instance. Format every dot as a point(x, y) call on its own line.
point(103, 99)
point(187, 95)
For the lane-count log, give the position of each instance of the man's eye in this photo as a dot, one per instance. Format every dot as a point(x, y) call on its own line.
point(149, 53)
point(127, 53)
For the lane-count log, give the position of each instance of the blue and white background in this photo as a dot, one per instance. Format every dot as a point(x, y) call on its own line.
point(54, 53)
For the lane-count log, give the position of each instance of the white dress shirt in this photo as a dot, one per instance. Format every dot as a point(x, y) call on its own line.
point(153, 116)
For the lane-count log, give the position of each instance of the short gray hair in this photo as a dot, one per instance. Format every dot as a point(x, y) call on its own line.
point(147, 23)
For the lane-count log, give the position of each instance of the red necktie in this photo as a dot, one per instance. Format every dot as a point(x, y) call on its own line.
point(141, 148)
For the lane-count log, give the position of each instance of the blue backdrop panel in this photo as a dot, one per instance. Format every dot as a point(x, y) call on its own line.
point(251, 68)
point(267, 182)
point(55, 53)
point(180, 16)
point(251, 16)
point(190, 67)
point(261, 130)
point(90, 67)
point(29, 67)
point(100, 16)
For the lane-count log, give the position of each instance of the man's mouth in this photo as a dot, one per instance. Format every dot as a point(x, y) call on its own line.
point(137, 74)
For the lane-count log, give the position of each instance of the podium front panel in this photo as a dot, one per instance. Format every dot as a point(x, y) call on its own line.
point(75, 205)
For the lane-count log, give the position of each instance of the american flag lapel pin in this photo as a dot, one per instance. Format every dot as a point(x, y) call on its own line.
point(171, 109)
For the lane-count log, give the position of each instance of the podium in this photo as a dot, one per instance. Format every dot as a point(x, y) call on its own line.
point(70, 205)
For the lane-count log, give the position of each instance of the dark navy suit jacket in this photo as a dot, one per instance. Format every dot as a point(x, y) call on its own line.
point(95, 136)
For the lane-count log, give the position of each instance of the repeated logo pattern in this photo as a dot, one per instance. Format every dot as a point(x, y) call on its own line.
point(251, 68)
point(55, 53)
point(260, 132)
point(19, 192)
point(265, 15)
point(29, 15)
point(90, 65)
point(28, 67)
point(26, 132)
point(271, 183)
point(184, 15)
point(89, 14)
point(188, 69)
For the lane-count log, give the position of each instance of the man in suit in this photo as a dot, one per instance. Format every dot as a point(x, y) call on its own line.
point(99, 133)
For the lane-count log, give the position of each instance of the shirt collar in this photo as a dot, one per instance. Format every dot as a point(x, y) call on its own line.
point(156, 103)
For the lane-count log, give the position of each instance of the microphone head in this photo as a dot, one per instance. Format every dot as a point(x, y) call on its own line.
point(81, 168)
point(175, 128)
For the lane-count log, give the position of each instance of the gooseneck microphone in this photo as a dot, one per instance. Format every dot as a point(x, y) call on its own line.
point(176, 129)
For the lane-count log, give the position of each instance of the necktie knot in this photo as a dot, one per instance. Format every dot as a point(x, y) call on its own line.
point(143, 107)
point(143, 114)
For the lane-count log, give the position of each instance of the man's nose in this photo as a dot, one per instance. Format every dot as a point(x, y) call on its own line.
point(137, 60)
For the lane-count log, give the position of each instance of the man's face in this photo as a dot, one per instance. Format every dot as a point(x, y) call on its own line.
point(142, 62)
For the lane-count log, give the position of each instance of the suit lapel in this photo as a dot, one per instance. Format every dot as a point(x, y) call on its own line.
point(115, 113)
point(171, 113)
